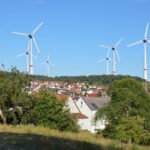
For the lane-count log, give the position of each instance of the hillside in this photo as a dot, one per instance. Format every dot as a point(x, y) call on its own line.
point(39, 138)
point(92, 79)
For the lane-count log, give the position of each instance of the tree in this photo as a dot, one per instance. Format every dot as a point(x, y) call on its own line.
point(50, 112)
point(13, 95)
point(128, 113)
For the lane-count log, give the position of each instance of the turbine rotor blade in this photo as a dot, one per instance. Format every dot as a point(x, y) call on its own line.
point(43, 63)
point(37, 28)
point(148, 41)
point(118, 55)
point(28, 46)
point(36, 45)
point(117, 44)
point(20, 55)
point(48, 58)
point(101, 60)
point(139, 42)
point(146, 31)
point(108, 53)
point(35, 57)
point(52, 63)
point(105, 46)
point(110, 59)
point(22, 34)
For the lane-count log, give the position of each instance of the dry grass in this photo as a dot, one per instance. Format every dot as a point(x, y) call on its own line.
point(40, 138)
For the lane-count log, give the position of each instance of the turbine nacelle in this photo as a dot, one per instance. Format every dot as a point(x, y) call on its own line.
point(30, 36)
point(113, 49)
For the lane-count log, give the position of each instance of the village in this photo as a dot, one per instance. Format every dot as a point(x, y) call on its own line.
point(81, 99)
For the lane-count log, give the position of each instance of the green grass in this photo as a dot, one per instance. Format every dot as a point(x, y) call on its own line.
point(40, 138)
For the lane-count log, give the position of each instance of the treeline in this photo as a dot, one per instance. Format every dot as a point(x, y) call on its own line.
point(91, 79)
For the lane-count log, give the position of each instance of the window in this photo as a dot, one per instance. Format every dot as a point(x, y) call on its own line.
point(94, 105)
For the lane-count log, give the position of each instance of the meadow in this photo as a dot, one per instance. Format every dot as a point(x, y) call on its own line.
point(41, 138)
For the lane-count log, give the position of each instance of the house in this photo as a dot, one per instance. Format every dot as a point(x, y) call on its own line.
point(88, 107)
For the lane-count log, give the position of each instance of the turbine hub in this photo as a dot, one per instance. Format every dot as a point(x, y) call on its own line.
point(144, 40)
point(27, 53)
point(113, 49)
point(107, 58)
point(30, 36)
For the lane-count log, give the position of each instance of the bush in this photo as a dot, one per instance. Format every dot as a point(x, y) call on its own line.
point(49, 111)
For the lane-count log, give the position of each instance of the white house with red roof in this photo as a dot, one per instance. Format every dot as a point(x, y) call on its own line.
point(87, 108)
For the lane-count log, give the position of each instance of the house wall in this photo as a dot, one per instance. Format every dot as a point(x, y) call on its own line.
point(85, 124)
point(89, 123)
point(99, 125)
point(72, 106)
point(84, 109)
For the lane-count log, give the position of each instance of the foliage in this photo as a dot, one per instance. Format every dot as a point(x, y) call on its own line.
point(49, 111)
point(19, 107)
point(128, 113)
point(14, 95)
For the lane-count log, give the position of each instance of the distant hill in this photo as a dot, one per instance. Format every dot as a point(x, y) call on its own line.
point(91, 79)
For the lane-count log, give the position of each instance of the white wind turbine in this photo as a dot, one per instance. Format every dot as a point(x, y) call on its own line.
point(114, 48)
point(47, 62)
point(26, 53)
point(145, 40)
point(107, 59)
point(31, 36)
point(3, 65)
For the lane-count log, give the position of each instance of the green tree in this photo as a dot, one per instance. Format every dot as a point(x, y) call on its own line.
point(49, 111)
point(128, 113)
point(13, 95)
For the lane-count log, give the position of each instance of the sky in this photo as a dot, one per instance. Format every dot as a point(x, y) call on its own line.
point(72, 32)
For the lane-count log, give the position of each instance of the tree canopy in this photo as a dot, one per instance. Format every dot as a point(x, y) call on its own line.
point(49, 111)
point(128, 113)
point(17, 106)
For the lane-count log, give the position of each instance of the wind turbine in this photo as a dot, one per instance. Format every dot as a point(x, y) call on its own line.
point(47, 62)
point(145, 40)
point(107, 59)
point(26, 53)
point(3, 65)
point(31, 37)
point(114, 49)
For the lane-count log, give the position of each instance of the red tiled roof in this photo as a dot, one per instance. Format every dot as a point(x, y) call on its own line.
point(80, 116)
point(93, 95)
point(62, 97)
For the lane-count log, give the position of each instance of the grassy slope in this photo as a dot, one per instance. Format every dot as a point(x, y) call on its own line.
point(39, 138)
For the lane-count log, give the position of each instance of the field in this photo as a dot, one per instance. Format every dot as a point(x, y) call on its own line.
point(40, 138)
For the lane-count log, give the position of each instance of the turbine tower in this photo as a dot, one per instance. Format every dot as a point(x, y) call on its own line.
point(31, 37)
point(47, 62)
point(145, 40)
point(115, 52)
point(26, 53)
point(107, 59)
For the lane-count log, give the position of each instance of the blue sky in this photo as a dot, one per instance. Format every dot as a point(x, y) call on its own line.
point(72, 33)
